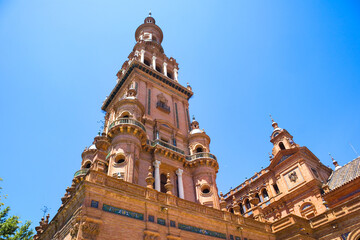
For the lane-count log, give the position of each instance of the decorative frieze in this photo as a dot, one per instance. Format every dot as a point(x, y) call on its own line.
point(123, 212)
point(201, 231)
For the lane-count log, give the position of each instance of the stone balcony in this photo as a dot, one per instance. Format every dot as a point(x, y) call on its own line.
point(200, 155)
point(126, 121)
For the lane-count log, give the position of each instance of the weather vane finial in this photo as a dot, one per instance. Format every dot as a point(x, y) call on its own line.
point(271, 118)
point(150, 13)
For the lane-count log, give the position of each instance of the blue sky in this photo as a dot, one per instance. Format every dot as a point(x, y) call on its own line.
point(297, 60)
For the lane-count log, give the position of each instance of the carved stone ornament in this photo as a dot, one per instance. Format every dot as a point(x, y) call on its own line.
point(90, 230)
point(150, 235)
point(74, 230)
point(293, 176)
point(162, 98)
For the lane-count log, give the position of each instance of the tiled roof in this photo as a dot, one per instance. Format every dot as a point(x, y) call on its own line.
point(345, 174)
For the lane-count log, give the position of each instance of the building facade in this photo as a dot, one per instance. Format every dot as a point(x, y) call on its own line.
point(151, 174)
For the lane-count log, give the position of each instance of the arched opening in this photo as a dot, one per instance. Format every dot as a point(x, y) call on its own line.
point(205, 189)
point(241, 208)
point(147, 62)
point(158, 68)
point(247, 204)
point(281, 146)
point(125, 115)
point(119, 159)
point(276, 188)
point(258, 197)
point(308, 210)
point(199, 149)
point(265, 195)
point(163, 179)
point(231, 210)
point(169, 75)
point(87, 165)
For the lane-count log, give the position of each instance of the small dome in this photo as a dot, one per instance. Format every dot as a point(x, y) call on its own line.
point(149, 19)
point(277, 129)
point(92, 146)
point(196, 130)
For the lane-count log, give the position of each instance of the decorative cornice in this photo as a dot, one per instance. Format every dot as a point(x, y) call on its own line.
point(135, 64)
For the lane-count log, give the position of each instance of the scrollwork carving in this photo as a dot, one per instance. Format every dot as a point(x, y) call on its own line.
point(90, 229)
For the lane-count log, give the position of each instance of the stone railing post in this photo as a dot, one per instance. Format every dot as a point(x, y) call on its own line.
point(179, 173)
point(157, 174)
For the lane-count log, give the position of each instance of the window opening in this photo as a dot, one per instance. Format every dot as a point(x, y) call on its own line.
point(163, 179)
point(241, 208)
point(281, 145)
point(158, 68)
point(276, 188)
point(247, 204)
point(199, 149)
point(257, 196)
point(146, 62)
point(205, 189)
point(119, 159)
point(265, 195)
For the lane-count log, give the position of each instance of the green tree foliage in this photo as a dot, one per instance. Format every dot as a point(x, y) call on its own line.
point(10, 228)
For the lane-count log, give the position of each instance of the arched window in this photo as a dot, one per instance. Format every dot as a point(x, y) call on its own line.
point(125, 115)
point(158, 68)
point(276, 188)
point(199, 149)
point(119, 159)
point(147, 62)
point(307, 210)
point(205, 189)
point(281, 146)
point(247, 204)
point(169, 75)
point(265, 195)
point(231, 210)
point(241, 208)
point(163, 179)
point(88, 165)
point(257, 196)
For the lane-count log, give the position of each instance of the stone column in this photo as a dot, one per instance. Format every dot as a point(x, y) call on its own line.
point(175, 74)
point(154, 62)
point(165, 68)
point(157, 174)
point(179, 173)
point(142, 55)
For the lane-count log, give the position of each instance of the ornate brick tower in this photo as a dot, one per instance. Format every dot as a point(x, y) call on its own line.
point(147, 125)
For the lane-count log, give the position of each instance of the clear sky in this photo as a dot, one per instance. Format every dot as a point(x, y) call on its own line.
point(298, 60)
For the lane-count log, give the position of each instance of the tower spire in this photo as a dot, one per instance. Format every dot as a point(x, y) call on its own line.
point(274, 124)
point(337, 166)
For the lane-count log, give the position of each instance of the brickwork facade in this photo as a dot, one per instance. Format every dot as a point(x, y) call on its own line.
point(150, 174)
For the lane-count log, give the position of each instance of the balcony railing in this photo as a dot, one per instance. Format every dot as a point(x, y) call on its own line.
point(131, 121)
point(81, 172)
point(200, 155)
point(166, 145)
